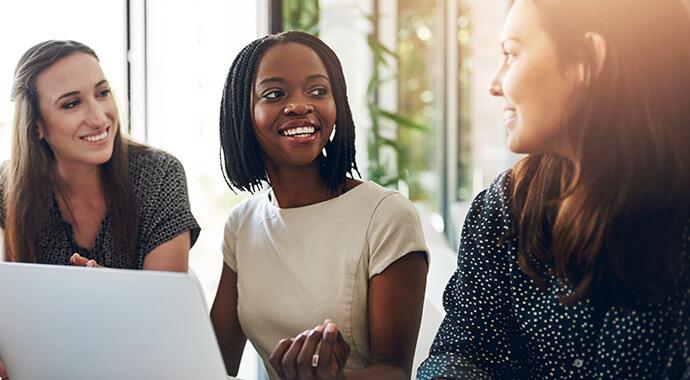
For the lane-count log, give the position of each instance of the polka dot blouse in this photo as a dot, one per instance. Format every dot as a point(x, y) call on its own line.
point(499, 326)
point(160, 187)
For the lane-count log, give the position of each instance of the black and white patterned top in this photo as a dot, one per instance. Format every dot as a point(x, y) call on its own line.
point(160, 186)
point(500, 326)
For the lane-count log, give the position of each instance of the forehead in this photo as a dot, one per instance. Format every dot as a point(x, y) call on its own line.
point(290, 60)
point(76, 72)
point(522, 21)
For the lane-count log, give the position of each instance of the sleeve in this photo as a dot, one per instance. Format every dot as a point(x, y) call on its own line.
point(475, 339)
point(394, 231)
point(229, 239)
point(169, 208)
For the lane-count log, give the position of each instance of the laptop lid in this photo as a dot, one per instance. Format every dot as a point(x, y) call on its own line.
point(61, 322)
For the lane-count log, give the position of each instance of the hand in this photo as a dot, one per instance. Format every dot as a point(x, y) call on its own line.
point(81, 261)
point(317, 354)
point(3, 372)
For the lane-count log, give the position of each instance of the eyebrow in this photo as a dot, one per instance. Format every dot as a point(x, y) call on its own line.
point(509, 39)
point(72, 93)
point(281, 79)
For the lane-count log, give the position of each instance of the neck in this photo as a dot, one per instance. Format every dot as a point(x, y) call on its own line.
point(80, 180)
point(297, 186)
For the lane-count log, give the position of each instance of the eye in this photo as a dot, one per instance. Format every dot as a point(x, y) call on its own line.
point(104, 93)
point(273, 94)
point(508, 56)
point(319, 92)
point(71, 104)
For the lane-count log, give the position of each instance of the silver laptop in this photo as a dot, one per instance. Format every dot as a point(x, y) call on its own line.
point(61, 322)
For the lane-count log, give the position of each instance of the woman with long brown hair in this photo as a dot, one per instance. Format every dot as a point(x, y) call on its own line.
point(75, 184)
point(76, 190)
point(574, 264)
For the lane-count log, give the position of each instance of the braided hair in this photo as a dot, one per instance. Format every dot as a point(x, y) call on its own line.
point(241, 160)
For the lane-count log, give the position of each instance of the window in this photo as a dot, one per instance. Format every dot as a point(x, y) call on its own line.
point(100, 25)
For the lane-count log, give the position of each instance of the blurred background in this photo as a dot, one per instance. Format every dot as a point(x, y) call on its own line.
point(417, 72)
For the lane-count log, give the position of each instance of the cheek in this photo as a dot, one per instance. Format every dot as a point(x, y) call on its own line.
point(329, 113)
point(57, 128)
point(261, 118)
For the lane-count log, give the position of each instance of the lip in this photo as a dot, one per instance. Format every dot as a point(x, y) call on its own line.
point(299, 123)
point(510, 122)
point(300, 141)
point(96, 133)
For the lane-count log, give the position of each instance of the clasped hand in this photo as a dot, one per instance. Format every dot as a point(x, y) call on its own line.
point(316, 354)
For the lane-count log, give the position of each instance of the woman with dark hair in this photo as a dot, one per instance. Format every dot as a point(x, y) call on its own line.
point(574, 264)
point(76, 190)
point(318, 244)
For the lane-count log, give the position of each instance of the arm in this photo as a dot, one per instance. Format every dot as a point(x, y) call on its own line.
point(396, 297)
point(477, 337)
point(226, 323)
point(171, 256)
point(2, 244)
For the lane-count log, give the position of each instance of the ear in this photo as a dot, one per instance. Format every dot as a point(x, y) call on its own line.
point(598, 47)
point(40, 129)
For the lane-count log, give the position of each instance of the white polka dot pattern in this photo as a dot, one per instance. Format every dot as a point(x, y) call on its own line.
point(500, 326)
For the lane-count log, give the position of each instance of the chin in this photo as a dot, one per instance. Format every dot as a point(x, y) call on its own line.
point(514, 145)
point(100, 159)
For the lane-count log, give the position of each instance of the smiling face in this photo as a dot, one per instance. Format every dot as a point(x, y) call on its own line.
point(79, 117)
point(534, 83)
point(293, 107)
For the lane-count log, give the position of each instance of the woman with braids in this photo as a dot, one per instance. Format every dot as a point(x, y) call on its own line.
point(574, 264)
point(318, 245)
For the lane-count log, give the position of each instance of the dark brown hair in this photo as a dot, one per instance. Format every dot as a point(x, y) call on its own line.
point(32, 179)
point(608, 221)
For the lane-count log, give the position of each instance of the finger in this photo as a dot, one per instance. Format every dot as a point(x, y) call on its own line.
point(276, 357)
point(323, 368)
point(77, 259)
point(93, 264)
point(308, 354)
point(3, 372)
point(289, 362)
point(342, 352)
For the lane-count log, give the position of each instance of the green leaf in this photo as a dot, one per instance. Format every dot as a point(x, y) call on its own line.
point(402, 120)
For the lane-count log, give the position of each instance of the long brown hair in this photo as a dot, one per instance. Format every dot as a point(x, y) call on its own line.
point(32, 179)
point(609, 220)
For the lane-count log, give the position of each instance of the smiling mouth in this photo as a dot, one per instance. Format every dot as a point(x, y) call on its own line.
point(299, 131)
point(509, 114)
point(96, 138)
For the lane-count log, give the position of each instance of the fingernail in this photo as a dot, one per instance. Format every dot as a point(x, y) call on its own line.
point(91, 263)
point(319, 328)
point(330, 327)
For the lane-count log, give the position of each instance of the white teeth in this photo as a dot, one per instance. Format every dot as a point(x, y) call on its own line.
point(302, 131)
point(509, 114)
point(97, 137)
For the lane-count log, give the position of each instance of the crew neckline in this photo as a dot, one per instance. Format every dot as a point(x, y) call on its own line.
point(270, 197)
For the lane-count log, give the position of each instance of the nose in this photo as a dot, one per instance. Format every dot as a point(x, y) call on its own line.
point(298, 108)
point(96, 117)
point(495, 88)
